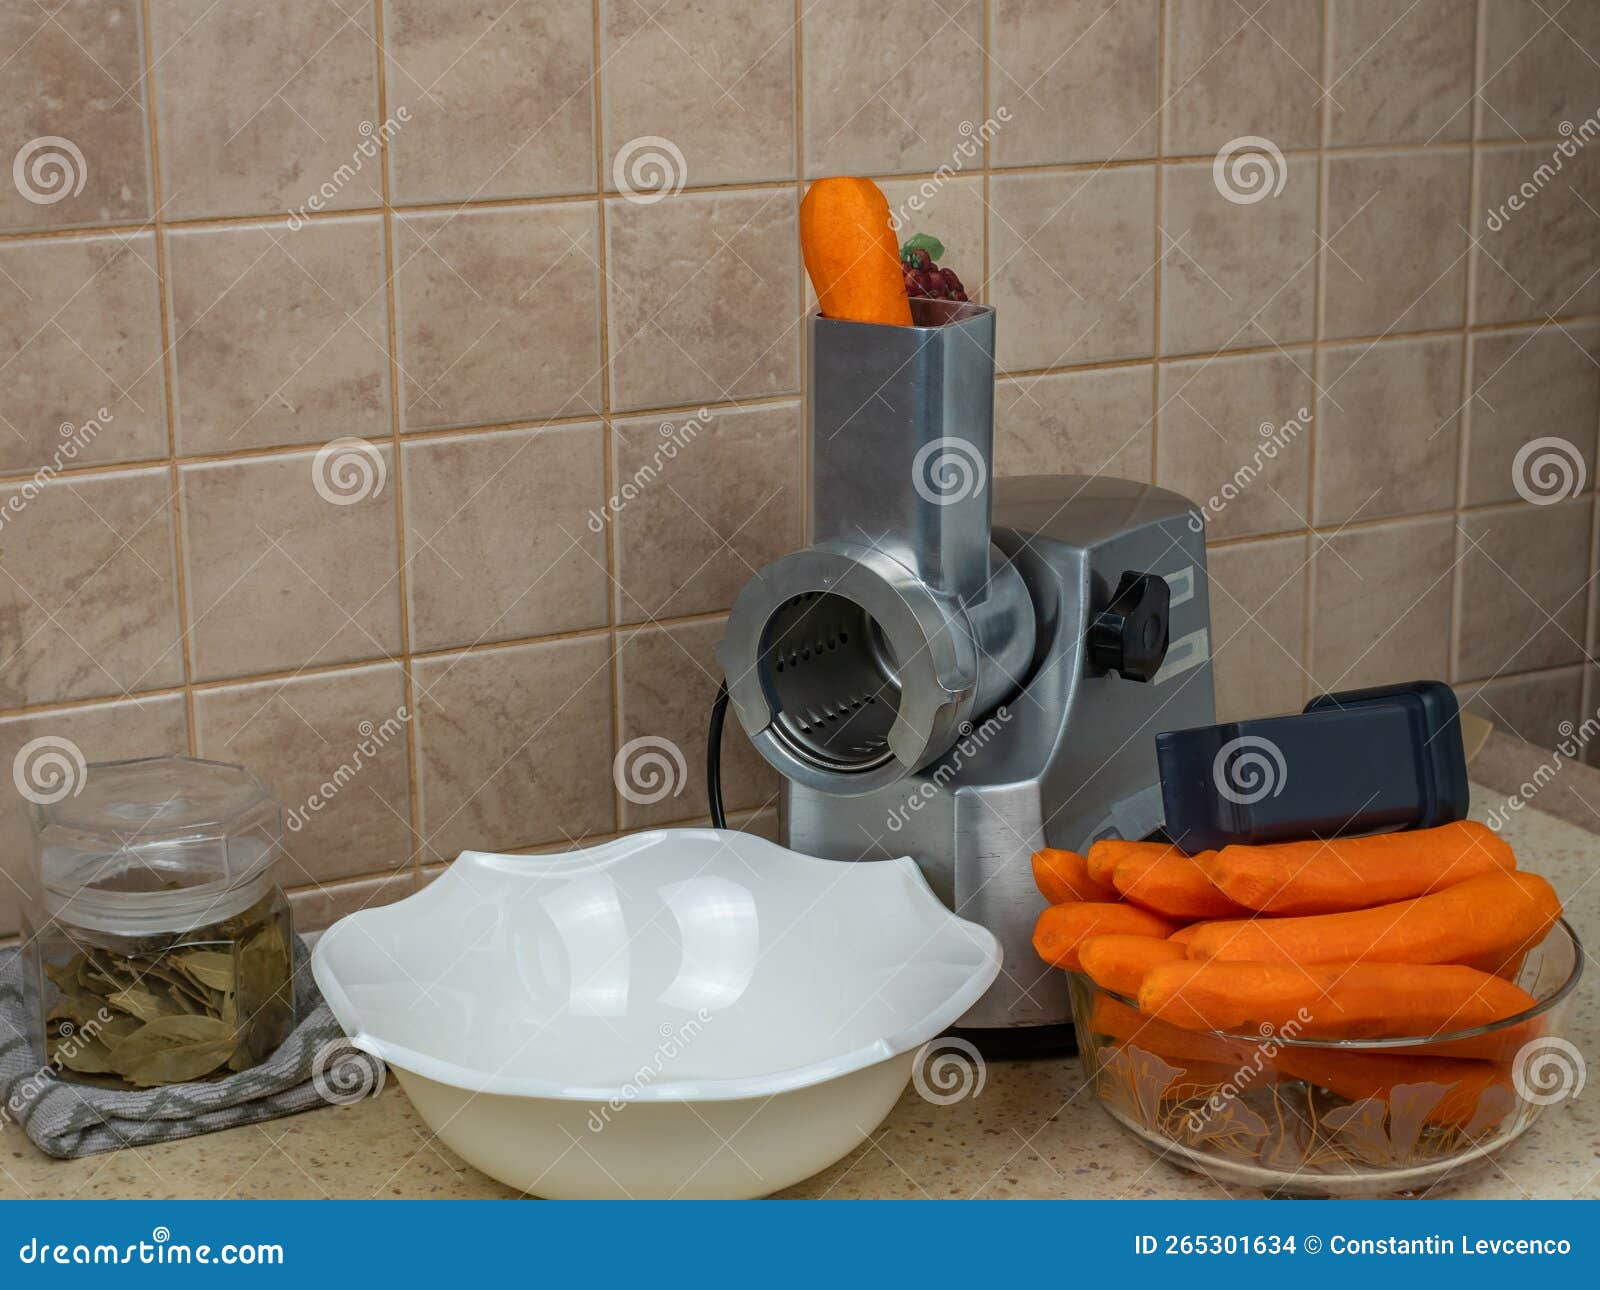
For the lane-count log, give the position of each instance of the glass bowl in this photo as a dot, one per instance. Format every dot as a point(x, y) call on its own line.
point(1295, 1116)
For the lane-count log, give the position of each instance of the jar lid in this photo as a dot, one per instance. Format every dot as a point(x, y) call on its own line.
point(157, 843)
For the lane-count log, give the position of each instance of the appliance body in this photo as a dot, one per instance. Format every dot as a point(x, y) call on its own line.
point(962, 669)
point(1069, 759)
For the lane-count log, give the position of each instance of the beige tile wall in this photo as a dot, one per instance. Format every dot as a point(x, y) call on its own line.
point(338, 322)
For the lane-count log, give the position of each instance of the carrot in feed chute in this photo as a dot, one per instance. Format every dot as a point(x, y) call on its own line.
point(1061, 929)
point(1483, 922)
point(1338, 874)
point(848, 245)
point(1329, 1000)
point(1064, 875)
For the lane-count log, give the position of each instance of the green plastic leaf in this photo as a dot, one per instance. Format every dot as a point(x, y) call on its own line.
point(923, 242)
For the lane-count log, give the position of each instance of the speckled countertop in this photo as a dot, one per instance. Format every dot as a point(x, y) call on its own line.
point(1032, 1131)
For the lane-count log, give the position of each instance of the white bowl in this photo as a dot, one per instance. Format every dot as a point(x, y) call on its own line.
point(689, 1012)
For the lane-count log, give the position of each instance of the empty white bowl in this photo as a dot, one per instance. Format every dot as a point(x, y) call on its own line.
point(689, 1012)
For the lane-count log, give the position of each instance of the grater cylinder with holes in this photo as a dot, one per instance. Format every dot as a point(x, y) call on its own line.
point(857, 661)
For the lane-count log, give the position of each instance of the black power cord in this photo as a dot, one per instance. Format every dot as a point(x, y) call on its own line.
point(719, 712)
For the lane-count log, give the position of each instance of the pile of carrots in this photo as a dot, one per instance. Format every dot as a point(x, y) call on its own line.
point(1398, 935)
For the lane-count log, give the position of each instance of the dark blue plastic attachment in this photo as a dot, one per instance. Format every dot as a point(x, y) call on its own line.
point(1355, 762)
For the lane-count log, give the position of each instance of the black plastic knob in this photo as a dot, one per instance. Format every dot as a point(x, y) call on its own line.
point(1129, 636)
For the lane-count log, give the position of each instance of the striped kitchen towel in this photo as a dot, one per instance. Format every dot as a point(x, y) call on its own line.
point(314, 1066)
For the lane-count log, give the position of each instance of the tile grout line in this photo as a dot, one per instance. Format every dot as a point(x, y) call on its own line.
point(1319, 284)
point(1160, 198)
point(403, 590)
point(584, 633)
point(1458, 580)
point(608, 439)
point(744, 403)
point(574, 198)
point(804, 437)
point(987, 51)
point(169, 377)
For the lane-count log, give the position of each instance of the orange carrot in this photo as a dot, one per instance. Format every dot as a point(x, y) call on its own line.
point(1328, 1000)
point(1173, 884)
point(1120, 1023)
point(1357, 1075)
point(1062, 928)
point(1187, 932)
point(1118, 961)
point(1354, 1075)
point(1105, 855)
point(850, 252)
point(1064, 875)
point(1482, 922)
point(1329, 877)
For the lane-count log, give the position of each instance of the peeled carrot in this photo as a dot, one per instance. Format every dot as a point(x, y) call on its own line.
point(1061, 929)
point(1116, 1021)
point(1354, 1075)
point(1105, 855)
point(1482, 922)
point(1358, 1075)
point(850, 252)
point(1173, 884)
point(1328, 1000)
point(1118, 962)
point(1329, 877)
point(1187, 933)
point(1064, 875)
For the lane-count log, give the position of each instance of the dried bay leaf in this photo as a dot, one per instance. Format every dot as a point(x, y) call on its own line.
point(194, 1003)
point(211, 968)
point(147, 1005)
point(87, 1056)
point(172, 1050)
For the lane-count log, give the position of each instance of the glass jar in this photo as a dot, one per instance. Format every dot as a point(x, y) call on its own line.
point(161, 950)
